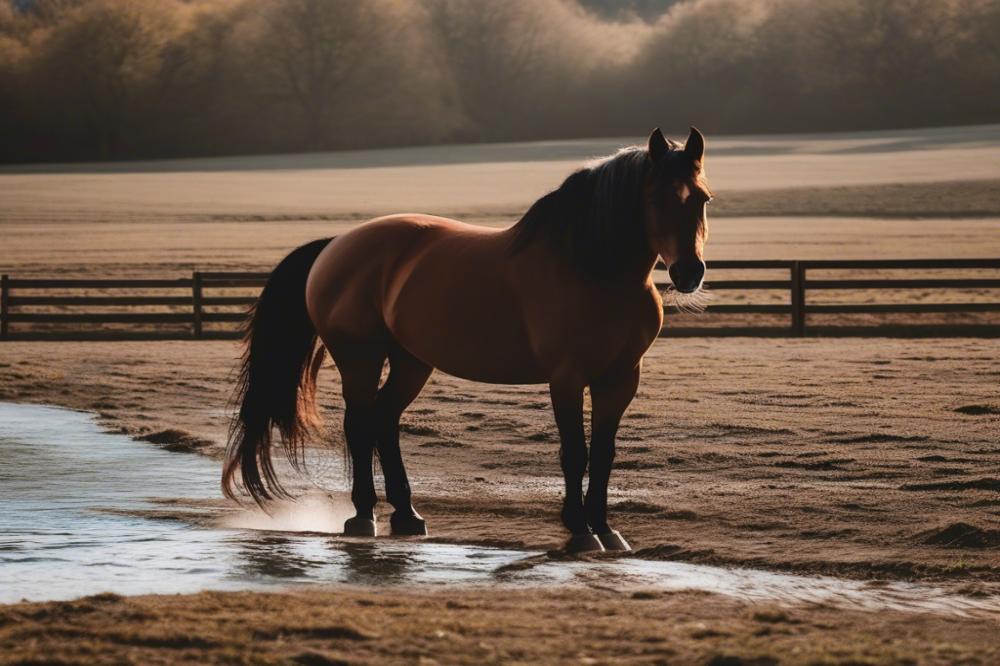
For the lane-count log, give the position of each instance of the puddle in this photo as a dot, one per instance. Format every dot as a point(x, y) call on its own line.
point(72, 524)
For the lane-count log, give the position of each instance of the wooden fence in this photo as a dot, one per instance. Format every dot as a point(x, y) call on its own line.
point(212, 304)
point(182, 308)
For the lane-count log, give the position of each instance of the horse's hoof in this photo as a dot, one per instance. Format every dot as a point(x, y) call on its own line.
point(408, 525)
point(359, 527)
point(584, 543)
point(614, 540)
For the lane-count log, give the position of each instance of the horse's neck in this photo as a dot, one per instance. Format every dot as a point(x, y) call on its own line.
point(637, 272)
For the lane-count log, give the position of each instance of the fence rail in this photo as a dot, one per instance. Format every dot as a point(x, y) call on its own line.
point(195, 307)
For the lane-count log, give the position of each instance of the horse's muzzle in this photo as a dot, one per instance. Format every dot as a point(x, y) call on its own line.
point(687, 274)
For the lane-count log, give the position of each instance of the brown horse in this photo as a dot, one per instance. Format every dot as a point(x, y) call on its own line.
point(565, 297)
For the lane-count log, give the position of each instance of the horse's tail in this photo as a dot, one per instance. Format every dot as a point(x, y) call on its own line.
point(277, 380)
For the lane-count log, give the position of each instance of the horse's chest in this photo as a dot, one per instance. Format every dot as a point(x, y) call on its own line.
point(603, 333)
point(629, 327)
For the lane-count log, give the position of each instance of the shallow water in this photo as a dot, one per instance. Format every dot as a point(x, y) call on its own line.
point(73, 524)
point(68, 489)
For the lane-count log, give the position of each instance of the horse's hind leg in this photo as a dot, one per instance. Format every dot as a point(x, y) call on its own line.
point(407, 376)
point(360, 370)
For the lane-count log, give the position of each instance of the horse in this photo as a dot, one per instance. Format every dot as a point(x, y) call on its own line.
point(564, 297)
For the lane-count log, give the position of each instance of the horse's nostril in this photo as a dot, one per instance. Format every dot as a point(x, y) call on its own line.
point(687, 275)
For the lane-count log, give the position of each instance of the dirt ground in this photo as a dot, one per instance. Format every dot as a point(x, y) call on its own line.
point(874, 459)
point(595, 626)
point(828, 456)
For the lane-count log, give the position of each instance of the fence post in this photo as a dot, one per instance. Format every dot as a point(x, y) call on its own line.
point(798, 299)
point(196, 302)
point(4, 305)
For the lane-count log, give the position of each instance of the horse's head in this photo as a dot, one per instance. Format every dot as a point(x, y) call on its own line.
point(676, 223)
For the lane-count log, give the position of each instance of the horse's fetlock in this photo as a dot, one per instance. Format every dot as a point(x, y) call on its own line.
point(574, 518)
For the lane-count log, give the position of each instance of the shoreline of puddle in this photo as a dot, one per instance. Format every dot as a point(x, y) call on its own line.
point(75, 496)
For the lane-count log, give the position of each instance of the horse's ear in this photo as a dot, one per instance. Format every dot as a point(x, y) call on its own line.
point(658, 147)
point(695, 146)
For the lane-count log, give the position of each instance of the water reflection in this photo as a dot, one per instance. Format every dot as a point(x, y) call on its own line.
point(269, 556)
point(366, 564)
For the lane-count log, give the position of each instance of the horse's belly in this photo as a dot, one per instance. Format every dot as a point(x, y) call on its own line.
point(488, 350)
point(485, 363)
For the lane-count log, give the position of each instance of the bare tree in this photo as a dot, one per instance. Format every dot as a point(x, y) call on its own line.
point(310, 51)
point(499, 53)
point(103, 58)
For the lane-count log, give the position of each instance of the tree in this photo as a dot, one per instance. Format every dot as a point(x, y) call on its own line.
point(102, 60)
point(310, 51)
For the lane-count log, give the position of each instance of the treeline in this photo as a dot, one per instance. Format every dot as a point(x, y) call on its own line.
point(113, 79)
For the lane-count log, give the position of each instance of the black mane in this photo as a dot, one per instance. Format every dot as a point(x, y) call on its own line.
point(597, 214)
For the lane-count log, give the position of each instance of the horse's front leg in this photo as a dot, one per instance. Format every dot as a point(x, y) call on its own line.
point(610, 398)
point(567, 403)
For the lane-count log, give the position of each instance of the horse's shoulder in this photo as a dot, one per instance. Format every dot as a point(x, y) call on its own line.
point(649, 313)
point(632, 317)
